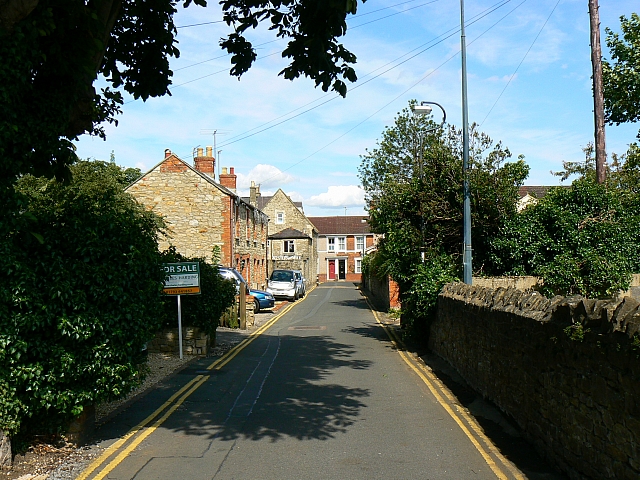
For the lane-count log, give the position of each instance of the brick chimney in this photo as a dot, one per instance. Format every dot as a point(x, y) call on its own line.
point(205, 163)
point(254, 192)
point(228, 179)
point(167, 153)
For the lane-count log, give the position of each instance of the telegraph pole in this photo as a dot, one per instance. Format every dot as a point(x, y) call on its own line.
point(598, 96)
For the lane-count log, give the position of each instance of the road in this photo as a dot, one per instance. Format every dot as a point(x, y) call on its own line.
point(320, 392)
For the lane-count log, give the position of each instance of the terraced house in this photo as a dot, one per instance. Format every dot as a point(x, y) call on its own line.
point(203, 214)
point(342, 243)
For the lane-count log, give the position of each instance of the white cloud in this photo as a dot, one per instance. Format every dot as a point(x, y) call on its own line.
point(267, 176)
point(339, 197)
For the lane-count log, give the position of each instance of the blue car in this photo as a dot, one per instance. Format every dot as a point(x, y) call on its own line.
point(260, 299)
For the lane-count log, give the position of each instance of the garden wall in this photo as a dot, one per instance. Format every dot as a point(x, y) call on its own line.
point(567, 370)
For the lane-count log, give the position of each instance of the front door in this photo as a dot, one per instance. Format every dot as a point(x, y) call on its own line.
point(342, 269)
point(332, 269)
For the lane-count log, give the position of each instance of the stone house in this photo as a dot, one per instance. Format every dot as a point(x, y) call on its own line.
point(342, 243)
point(293, 239)
point(202, 214)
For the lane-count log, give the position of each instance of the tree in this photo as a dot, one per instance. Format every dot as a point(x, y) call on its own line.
point(51, 54)
point(418, 206)
point(621, 78)
point(80, 295)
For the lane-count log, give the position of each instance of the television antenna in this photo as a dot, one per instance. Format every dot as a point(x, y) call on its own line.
point(214, 132)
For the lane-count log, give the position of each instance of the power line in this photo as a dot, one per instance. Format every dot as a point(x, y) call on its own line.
point(398, 96)
point(278, 39)
point(354, 16)
point(521, 61)
point(447, 34)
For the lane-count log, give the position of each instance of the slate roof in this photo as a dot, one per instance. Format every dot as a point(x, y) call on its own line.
point(342, 225)
point(288, 234)
point(262, 201)
point(534, 191)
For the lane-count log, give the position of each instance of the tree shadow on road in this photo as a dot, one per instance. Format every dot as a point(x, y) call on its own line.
point(285, 389)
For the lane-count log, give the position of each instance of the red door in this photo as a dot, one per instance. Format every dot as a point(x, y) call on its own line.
point(332, 269)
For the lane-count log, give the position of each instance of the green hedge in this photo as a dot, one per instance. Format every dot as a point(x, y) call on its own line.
point(204, 310)
point(80, 294)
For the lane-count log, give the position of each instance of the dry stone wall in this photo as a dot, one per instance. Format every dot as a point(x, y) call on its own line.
point(567, 370)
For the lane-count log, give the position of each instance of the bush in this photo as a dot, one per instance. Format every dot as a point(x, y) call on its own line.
point(204, 310)
point(579, 240)
point(419, 303)
point(80, 295)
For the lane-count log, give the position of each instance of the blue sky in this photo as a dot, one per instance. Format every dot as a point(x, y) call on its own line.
point(544, 113)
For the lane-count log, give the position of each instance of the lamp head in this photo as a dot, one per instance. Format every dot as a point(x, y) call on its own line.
point(421, 109)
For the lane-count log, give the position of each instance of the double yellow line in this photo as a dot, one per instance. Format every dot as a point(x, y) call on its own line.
point(137, 434)
point(466, 422)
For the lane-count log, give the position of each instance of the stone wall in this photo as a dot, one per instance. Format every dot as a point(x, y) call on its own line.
point(5, 450)
point(194, 342)
point(385, 293)
point(567, 370)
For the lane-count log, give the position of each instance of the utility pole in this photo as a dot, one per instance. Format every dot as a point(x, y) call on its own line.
point(598, 96)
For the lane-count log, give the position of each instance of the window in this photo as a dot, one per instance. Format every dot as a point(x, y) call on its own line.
point(342, 244)
point(289, 246)
point(331, 244)
point(279, 217)
point(358, 268)
point(359, 244)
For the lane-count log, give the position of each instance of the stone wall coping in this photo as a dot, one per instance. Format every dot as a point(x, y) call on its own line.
point(621, 315)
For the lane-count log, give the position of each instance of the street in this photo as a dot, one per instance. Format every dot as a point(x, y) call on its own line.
point(318, 392)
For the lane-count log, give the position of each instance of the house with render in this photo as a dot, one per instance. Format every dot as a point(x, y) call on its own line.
point(292, 238)
point(342, 243)
point(202, 213)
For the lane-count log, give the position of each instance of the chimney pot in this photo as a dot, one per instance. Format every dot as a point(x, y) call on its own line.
point(167, 153)
point(228, 180)
point(200, 150)
point(209, 151)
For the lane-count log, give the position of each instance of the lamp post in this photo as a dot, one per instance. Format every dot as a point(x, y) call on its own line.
point(424, 108)
point(466, 221)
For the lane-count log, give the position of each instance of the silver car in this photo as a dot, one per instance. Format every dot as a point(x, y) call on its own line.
point(300, 283)
point(282, 283)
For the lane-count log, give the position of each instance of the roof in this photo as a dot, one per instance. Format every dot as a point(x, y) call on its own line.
point(534, 191)
point(289, 233)
point(205, 177)
point(342, 224)
point(262, 201)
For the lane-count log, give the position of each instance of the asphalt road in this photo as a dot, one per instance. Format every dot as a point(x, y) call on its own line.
point(322, 393)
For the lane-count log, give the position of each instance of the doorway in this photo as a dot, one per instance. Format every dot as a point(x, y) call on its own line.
point(332, 269)
point(342, 269)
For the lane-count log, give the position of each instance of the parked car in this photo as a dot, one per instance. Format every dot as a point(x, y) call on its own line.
point(282, 283)
point(301, 283)
point(261, 299)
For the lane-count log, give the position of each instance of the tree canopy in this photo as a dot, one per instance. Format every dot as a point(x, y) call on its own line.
point(621, 76)
point(51, 53)
point(413, 186)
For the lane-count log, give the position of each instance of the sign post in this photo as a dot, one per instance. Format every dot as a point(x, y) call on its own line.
point(181, 279)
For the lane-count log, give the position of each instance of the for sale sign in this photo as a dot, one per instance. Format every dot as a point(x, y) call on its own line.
point(182, 278)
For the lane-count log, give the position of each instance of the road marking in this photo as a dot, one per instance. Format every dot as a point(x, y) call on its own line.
point(190, 387)
point(437, 387)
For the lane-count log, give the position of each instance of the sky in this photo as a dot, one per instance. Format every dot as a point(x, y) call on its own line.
point(529, 86)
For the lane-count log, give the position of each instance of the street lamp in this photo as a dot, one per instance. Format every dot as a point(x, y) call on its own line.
point(424, 108)
point(466, 217)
